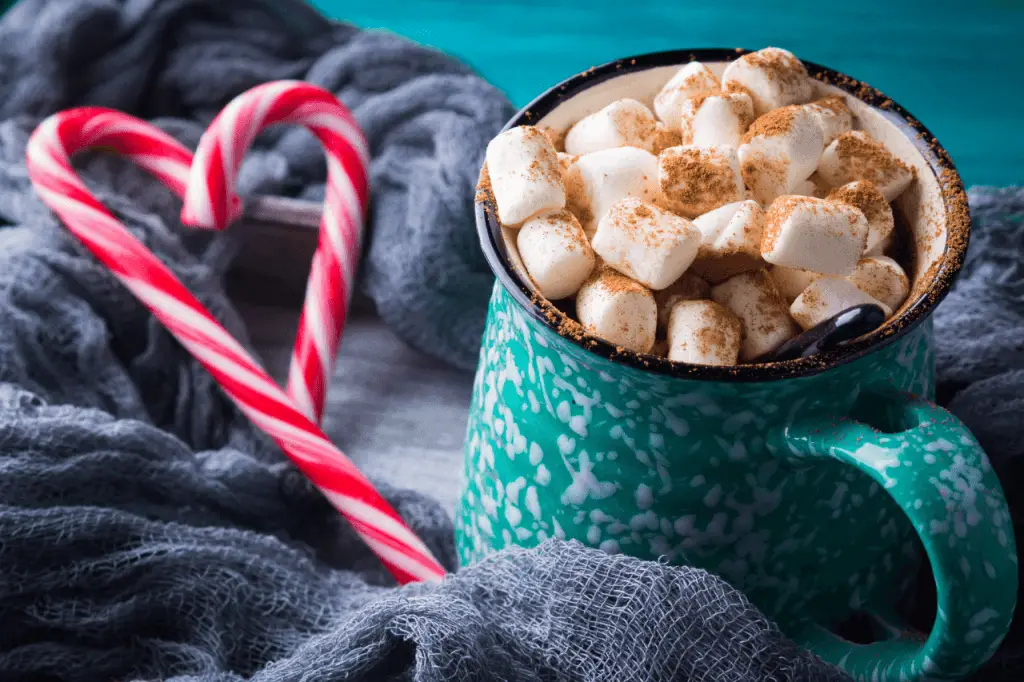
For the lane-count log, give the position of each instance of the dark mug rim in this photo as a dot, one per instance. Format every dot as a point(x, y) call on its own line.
point(953, 199)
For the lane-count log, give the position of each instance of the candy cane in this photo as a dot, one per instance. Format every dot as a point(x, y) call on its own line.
point(242, 378)
point(211, 190)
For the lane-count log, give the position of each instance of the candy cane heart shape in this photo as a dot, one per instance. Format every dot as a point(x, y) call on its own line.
point(211, 191)
point(243, 379)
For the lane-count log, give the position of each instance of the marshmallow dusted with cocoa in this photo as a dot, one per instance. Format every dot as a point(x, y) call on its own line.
point(703, 333)
point(555, 251)
point(624, 123)
point(833, 116)
point(791, 282)
point(690, 80)
point(772, 77)
point(619, 310)
point(814, 234)
point(665, 137)
point(689, 287)
point(713, 119)
point(828, 296)
point(695, 180)
point(753, 298)
point(730, 241)
point(525, 175)
point(652, 246)
point(883, 279)
point(858, 156)
point(865, 196)
point(598, 180)
point(781, 150)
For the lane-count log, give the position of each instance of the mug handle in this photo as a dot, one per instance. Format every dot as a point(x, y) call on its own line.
point(942, 480)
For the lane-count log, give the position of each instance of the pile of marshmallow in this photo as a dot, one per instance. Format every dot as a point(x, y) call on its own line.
point(714, 228)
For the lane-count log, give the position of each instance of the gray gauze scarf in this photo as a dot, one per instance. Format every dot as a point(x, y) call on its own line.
point(147, 531)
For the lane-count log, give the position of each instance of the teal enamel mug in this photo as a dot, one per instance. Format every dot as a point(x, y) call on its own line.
point(812, 485)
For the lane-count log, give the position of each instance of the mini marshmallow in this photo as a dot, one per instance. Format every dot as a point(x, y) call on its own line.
point(712, 119)
point(525, 175)
point(555, 251)
point(857, 156)
point(688, 287)
point(772, 77)
point(826, 297)
point(619, 310)
point(625, 123)
point(730, 241)
point(805, 188)
point(695, 180)
point(813, 186)
point(690, 80)
point(597, 181)
point(780, 150)
point(566, 160)
point(881, 248)
point(555, 137)
point(703, 333)
point(833, 116)
point(652, 246)
point(753, 298)
point(791, 282)
point(665, 137)
point(883, 279)
point(865, 196)
point(814, 234)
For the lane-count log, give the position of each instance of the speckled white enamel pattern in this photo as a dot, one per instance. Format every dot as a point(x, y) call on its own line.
point(770, 485)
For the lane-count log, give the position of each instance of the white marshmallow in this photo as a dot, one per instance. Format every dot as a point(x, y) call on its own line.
point(714, 119)
point(883, 279)
point(833, 116)
point(652, 246)
point(703, 333)
point(780, 150)
point(772, 77)
point(598, 180)
point(813, 186)
point(730, 241)
point(881, 248)
point(753, 298)
point(525, 175)
point(619, 310)
point(566, 160)
point(624, 123)
point(556, 253)
point(826, 297)
point(814, 234)
point(689, 287)
point(791, 282)
point(863, 195)
point(665, 137)
point(688, 81)
point(695, 180)
point(857, 156)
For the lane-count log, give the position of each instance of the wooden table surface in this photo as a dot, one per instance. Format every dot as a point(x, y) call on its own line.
point(953, 64)
point(399, 414)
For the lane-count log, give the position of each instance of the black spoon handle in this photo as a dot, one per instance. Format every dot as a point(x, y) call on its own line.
point(830, 334)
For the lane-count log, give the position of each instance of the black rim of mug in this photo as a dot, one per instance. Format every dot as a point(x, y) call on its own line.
point(934, 154)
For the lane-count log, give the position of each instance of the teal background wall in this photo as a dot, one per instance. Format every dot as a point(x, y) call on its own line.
point(956, 65)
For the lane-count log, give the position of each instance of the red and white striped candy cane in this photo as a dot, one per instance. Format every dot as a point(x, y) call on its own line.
point(49, 163)
point(211, 191)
